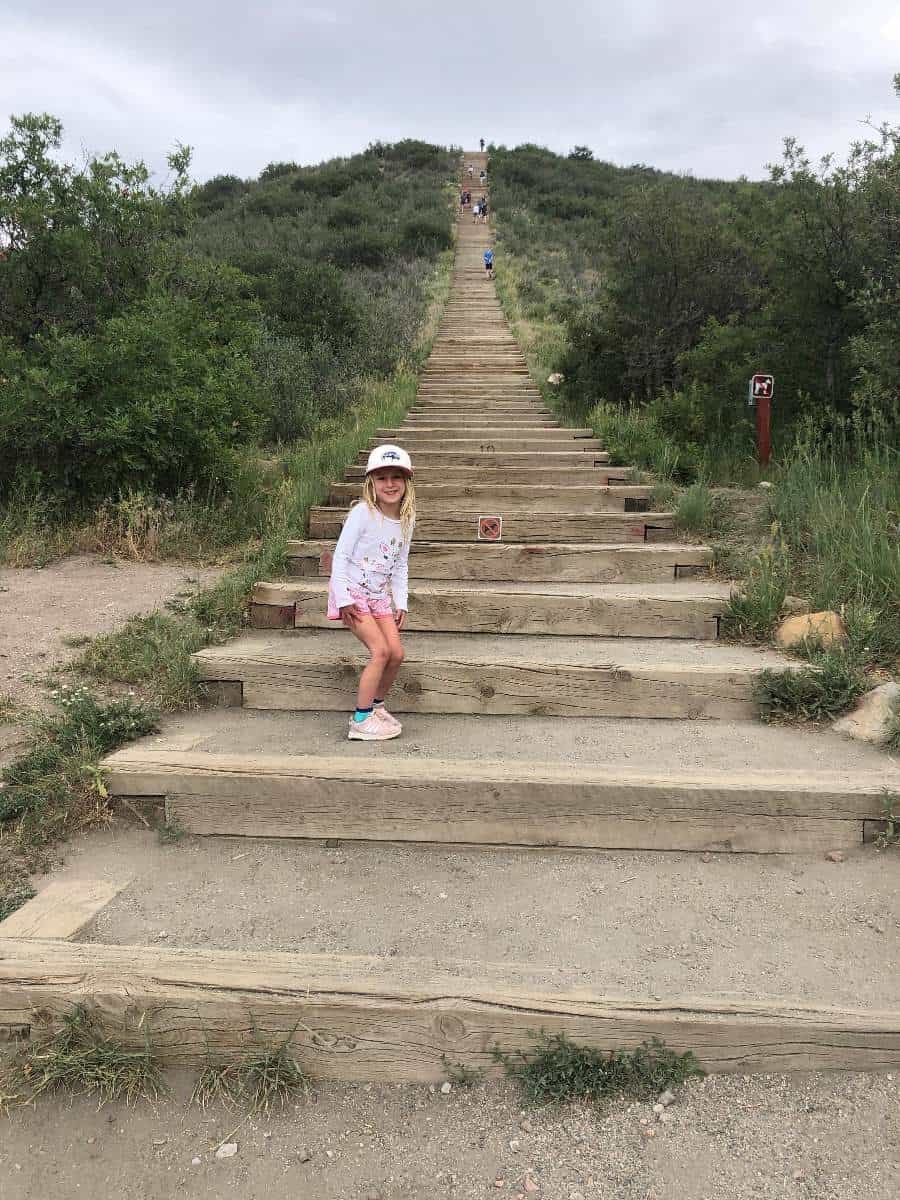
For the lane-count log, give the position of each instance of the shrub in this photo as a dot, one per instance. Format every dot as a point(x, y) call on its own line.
point(561, 1072)
point(156, 399)
point(819, 692)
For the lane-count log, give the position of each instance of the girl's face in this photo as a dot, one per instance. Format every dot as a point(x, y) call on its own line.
point(390, 486)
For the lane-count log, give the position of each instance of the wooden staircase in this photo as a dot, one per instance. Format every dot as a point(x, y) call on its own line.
point(585, 609)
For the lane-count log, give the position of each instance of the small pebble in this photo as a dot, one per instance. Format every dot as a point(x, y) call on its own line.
point(835, 856)
point(658, 1108)
point(446, 1088)
point(798, 1174)
point(499, 1183)
point(514, 1144)
point(195, 1161)
point(707, 857)
point(227, 1150)
point(526, 1126)
point(666, 1098)
point(303, 1155)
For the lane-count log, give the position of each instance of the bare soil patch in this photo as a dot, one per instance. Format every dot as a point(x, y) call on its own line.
point(832, 1137)
point(41, 610)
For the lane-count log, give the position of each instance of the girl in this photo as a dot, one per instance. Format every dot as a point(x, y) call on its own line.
point(370, 566)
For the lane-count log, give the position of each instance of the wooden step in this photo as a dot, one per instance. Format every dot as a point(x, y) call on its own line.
point(414, 435)
point(348, 1017)
point(669, 610)
point(418, 443)
point(644, 563)
point(519, 498)
point(502, 803)
point(436, 525)
point(507, 476)
point(315, 670)
point(548, 460)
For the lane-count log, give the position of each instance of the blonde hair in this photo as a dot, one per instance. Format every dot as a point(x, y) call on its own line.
point(407, 504)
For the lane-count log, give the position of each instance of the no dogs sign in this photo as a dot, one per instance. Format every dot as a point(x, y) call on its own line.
point(490, 529)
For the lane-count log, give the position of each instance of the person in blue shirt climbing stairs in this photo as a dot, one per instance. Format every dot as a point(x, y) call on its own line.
point(489, 263)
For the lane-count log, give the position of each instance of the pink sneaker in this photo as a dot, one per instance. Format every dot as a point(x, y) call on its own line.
point(372, 729)
point(387, 719)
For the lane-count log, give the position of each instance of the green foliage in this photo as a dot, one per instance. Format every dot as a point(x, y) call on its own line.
point(559, 1072)
point(82, 1059)
point(265, 1078)
point(674, 290)
point(816, 693)
point(754, 610)
point(56, 785)
point(698, 510)
point(13, 899)
point(152, 399)
point(460, 1075)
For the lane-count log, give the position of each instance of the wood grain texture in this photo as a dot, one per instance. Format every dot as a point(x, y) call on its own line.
point(325, 679)
point(550, 562)
point(503, 804)
point(62, 909)
point(591, 497)
point(365, 1018)
point(546, 461)
point(325, 522)
point(670, 611)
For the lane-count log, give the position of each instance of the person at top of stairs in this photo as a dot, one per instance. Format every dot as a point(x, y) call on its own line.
point(369, 589)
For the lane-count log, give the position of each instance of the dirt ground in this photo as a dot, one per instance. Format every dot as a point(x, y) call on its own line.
point(772, 1137)
point(634, 924)
point(42, 609)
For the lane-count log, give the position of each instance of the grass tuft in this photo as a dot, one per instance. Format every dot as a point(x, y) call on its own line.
point(266, 1078)
point(819, 692)
point(755, 609)
point(559, 1072)
point(82, 1059)
point(15, 898)
point(57, 786)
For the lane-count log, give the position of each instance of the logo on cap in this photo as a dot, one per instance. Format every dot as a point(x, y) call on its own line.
point(392, 455)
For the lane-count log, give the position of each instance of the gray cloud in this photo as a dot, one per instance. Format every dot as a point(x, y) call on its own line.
point(690, 86)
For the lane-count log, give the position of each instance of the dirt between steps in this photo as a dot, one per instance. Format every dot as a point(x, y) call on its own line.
point(634, 924)
point(812, 1137)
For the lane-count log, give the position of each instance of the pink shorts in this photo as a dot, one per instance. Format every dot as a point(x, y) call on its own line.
point(378, 607)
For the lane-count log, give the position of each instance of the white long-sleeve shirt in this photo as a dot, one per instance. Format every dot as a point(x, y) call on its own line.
point(372, 556)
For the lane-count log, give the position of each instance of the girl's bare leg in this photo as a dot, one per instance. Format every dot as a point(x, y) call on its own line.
point(391, 634)
point(372, 635)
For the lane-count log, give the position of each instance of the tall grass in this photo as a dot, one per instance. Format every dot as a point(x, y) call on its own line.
point(839, 508)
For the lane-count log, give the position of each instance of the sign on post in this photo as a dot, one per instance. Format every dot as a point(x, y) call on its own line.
point(761, 391)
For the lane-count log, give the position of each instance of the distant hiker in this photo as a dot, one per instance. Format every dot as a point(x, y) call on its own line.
point(370, 570)
point(482, 145)
point(470, 171)
point(462, 201)
point(489, 263)
point(484, 210)
point(481, 178)
point(475, 211)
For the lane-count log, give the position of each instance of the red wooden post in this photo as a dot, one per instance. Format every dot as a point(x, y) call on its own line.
point(763, 429)
point(762, 389)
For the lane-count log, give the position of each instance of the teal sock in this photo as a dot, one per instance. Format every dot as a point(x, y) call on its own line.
point(361, 713)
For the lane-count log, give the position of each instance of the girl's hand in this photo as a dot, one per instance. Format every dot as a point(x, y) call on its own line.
point(400, 617)
point(349, 614)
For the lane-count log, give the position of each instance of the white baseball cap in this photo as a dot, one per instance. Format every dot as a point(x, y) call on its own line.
point(389, 456)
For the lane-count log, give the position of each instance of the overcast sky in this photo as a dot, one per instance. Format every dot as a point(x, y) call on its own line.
point(686, 85)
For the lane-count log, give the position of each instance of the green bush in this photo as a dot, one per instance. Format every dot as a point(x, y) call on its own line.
point(156, 398)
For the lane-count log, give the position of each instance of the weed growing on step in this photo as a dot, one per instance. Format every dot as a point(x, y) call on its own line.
point(697, 510)
point(81, 1058)
point(559, 1072)
point(460, 1075)
point(170, 831)
point(890, 808)
point(819, 692)
point(266, 1078)
point(8, 710)
point(56, 786)
point(754, 611)
point(271, 1077)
